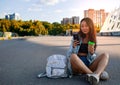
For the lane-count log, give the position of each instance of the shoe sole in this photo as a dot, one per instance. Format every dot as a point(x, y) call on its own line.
point(88, 78)
point(92, 80)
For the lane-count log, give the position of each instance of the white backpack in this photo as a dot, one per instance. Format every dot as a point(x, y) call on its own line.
point(56, 67)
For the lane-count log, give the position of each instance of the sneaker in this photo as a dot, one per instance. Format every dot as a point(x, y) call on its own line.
point(104, 75)
point(93, 79)
point(88, 77)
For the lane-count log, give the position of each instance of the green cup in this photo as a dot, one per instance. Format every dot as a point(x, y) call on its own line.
point(91, 43)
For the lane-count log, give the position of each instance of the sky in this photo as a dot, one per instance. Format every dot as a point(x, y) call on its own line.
point(54, 10)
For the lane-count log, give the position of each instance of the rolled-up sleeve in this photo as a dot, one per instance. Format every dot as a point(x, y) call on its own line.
point(71, 49)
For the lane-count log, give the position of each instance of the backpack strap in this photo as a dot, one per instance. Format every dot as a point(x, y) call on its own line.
point(41, 75)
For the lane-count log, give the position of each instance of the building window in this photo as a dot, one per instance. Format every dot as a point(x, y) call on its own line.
point(113, 26)
point(118, 24)
point(110, 21)
point(114, 17)
point(119, 17)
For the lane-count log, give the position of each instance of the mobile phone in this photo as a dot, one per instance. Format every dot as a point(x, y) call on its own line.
point(76, 37)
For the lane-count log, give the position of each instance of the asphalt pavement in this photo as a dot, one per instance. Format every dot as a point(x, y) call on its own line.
point(21, 60)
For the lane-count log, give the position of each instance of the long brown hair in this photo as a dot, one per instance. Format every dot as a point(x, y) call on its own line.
point(92, 31)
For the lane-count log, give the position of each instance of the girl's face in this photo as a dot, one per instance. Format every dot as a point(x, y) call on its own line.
point(84, 27)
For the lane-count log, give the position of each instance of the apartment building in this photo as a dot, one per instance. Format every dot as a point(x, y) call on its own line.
point(73, 20)
point(14, 16)
point(98, 16)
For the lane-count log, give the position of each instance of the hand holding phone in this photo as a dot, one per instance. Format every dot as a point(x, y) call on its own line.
point(76, 40)
point(76, 37)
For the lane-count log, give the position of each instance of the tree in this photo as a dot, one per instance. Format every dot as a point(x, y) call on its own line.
point(15, 27)
point(48, 26)
point(57, 29)
point(5, 25)
point(39, 28)
point(97, 28)
point(4, 29)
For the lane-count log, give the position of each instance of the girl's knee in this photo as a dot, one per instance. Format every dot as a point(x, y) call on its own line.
point(105, 55)
point(73, 57)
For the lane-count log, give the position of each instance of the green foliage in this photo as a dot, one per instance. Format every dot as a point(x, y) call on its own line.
point(34, 28)
point(97, 28)
point(48, 26)
point(23, 28)
point(4, 25)
point(57, 29)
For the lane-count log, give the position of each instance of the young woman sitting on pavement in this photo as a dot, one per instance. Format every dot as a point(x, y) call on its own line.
point(82, 54)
